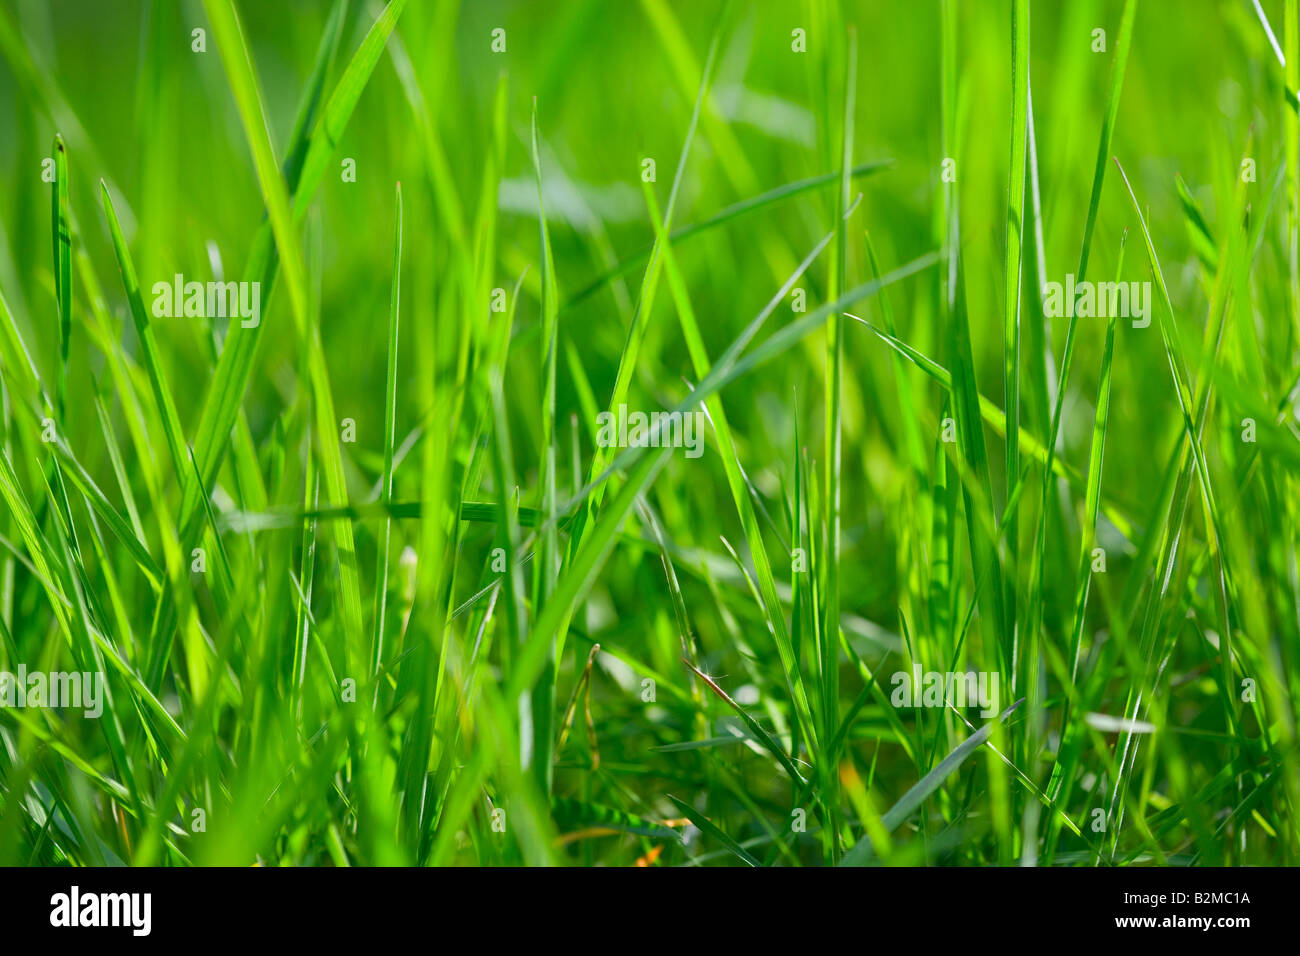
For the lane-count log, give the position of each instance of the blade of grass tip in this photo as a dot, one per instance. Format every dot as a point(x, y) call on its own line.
point(1024, 778)
point(309, 104)
point(1198, 231)
point(680, 614)
point(61, 237)
point(66, 466)
point(1036, 267)
point(906, 403)
point(566, 722)
point(861, 852)
point(228, 33)
point(226, 392)
point(1039, 369)
point(1212, 333)
point(446, 197)
point(341, 102)
point(1191, 406)
point(650, 283)
point(119, 469)
point(390, 437)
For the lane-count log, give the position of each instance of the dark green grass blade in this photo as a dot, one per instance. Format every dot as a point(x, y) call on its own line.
point(708, 827)
point(861, 852)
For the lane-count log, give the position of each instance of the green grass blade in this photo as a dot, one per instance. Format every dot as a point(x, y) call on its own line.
point(861, 852)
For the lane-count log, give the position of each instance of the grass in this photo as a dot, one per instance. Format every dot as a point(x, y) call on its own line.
point(363, 584)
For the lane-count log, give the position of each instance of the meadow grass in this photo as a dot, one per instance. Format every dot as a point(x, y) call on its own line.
point(363, 584)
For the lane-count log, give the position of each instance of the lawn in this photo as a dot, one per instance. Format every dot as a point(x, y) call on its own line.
point(836, 432)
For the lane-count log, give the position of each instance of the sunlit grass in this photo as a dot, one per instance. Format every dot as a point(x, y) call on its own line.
point(366, 589)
